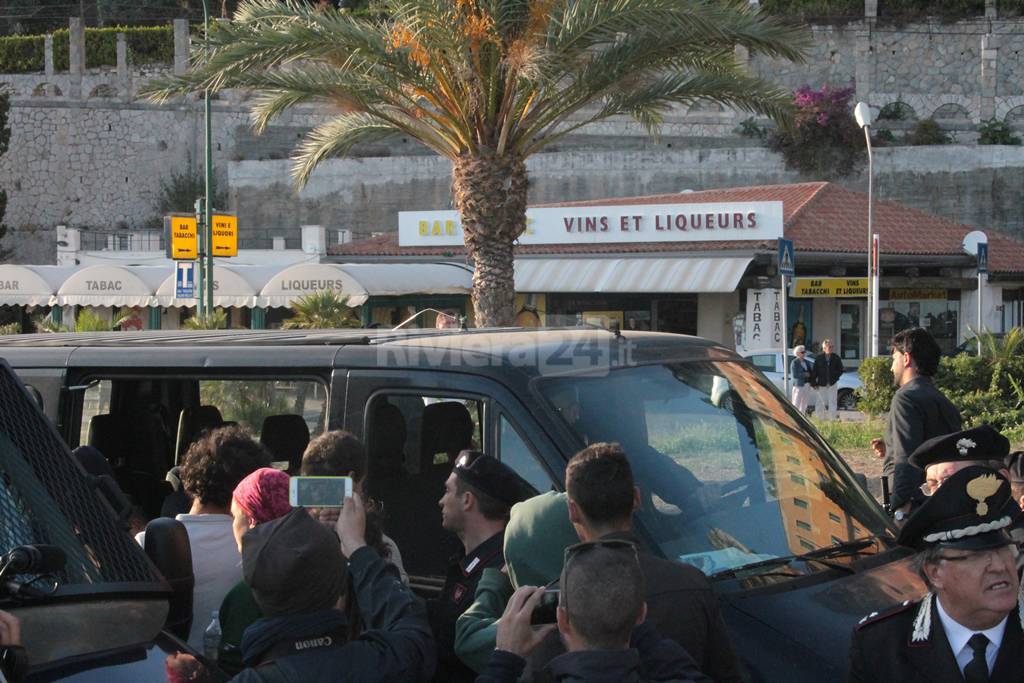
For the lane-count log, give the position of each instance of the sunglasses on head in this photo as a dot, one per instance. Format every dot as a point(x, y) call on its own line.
point(574, 551)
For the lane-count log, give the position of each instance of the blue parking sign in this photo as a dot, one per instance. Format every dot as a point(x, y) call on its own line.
point(787, 264)
point(185, 279)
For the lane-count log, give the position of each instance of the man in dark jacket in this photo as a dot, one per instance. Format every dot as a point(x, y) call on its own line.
point(680, 601)
point(298, 577)
point(475, 507)
point(968, 626)
point(825, 374)
point(600, 618)
point(919, 412)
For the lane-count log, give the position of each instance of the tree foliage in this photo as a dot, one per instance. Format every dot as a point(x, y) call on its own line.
point(322, 310)
point(5, 141)
point(486, 83)
point(824, 141)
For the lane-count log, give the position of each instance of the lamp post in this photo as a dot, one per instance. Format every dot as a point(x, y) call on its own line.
point(204, 273)
point(862, 112)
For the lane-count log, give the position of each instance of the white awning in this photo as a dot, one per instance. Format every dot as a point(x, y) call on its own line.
point(31, 285)
point(238, 286)
point(360, 281)
point(624, 275)
point(111, 286)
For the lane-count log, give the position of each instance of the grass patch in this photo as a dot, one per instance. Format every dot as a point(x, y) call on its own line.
point(845, 435)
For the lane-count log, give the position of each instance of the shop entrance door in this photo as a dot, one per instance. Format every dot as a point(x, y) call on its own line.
point(851, 331)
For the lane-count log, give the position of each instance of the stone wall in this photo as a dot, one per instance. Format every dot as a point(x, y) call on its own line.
point(86, 151)
point(983, 188)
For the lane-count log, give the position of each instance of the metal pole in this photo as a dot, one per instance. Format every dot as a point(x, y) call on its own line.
point(200, 279)
point(207, 205)
point(876, 255)
point(981, 277)
point(785, 341)
point(870, 333)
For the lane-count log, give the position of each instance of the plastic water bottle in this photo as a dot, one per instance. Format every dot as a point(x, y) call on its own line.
point(211, 637)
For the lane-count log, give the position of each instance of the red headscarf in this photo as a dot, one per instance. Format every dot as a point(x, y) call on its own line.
point(263, 495)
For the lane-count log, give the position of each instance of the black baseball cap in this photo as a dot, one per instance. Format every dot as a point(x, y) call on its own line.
point(970, 511)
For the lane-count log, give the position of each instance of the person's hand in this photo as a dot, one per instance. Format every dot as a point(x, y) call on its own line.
point(351, 525)
point(515, 633)
point(878, 446)
point(906, 511)
point(327, 516)
point(10, 629)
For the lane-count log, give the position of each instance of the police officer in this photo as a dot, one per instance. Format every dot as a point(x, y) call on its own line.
point(478, 496)
point(968, 626)
point(944, 456)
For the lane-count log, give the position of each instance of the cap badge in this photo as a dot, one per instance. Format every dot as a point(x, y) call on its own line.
point(981, 488)
point(964, 444)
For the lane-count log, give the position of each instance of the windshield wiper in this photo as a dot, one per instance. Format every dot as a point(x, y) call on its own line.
point(819, 556)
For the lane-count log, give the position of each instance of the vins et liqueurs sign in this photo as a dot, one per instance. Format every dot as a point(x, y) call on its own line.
point(612, 224)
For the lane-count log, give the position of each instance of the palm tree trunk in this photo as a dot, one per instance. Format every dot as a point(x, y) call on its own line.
point(490, 195)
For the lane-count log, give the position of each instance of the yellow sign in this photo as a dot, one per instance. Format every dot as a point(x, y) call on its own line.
point(830, 287)
point(184, 238)
point(225, 234)
point(917, 294)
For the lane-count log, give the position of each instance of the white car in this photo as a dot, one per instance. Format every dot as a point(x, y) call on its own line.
point(769, 362)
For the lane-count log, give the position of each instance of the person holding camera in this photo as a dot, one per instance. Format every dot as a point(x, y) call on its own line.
point(601, 618)
point(303, 580)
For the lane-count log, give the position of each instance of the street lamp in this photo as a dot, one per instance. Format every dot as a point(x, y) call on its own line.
point(204, 279)
point(862, 112)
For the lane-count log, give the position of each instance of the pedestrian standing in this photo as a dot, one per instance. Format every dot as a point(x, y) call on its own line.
point(800, 369)
point(919, 412)
point(828, 368)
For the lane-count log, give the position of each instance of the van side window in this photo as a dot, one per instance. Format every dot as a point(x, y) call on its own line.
point(513, 451)
point(765, 362)
point(412, 441)
point(96, 401)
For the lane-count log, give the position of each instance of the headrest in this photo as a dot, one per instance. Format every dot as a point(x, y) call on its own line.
point(286, 437)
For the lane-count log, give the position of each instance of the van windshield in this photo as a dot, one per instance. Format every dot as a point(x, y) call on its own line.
point(729, 474)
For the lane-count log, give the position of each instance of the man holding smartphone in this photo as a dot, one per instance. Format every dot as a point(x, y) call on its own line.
point(478, 496)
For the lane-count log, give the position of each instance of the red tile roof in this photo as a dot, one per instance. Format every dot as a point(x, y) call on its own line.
point(818, 217)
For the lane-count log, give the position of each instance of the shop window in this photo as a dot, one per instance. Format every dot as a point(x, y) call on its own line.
point(937, 311)
point(678, 315)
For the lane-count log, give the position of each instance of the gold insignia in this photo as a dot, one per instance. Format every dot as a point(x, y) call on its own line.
point(981, 488)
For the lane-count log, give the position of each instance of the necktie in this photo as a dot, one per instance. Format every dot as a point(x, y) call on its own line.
point(976, 670)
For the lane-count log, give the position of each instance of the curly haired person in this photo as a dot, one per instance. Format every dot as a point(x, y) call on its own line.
point(212, 468)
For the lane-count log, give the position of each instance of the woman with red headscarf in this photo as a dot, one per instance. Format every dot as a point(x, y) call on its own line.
point(260, 497)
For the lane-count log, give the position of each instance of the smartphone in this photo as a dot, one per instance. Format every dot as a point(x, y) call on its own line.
point(545, 611)
point(319, 492)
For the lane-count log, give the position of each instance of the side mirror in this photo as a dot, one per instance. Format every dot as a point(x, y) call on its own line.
point(168, 547)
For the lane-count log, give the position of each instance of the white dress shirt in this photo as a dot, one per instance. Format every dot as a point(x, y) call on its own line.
point(958, 635)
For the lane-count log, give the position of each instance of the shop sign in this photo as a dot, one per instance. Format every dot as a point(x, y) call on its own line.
point(832, 287)
point(735, 221)
point(764, 319)
point(225, 234)
point(184, 237)
point(918, 294)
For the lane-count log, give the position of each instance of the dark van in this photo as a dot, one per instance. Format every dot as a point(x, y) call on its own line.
point(734, 481)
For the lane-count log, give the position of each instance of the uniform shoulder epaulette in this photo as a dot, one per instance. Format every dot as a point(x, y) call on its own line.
point(875, 617)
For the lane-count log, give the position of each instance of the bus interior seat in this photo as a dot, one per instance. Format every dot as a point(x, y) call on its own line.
point(286, 437)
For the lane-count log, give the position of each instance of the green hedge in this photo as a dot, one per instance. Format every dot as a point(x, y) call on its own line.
point(984, 390)
point(146, 45)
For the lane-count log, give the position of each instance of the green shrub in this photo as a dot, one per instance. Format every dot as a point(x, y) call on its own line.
point(750, 128)
point(146, 45)
point(927, 132)
point(963, 374)
point(996, 132)
point(883, 137)
point(824, 141)
point(895, 111)
point(877, 388)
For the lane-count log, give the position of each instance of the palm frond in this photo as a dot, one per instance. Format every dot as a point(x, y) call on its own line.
point(336, 138)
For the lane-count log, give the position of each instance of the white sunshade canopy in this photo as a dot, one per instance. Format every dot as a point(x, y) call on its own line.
point(31, 285)
point(698, 274)
point(109, 285)
point(360, 281)
point(238, 286)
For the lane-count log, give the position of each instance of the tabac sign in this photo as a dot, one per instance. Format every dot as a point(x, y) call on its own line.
point(756, 221)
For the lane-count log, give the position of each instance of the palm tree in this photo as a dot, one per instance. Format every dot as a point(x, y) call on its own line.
point(322, 310)
point(214, 320)
point(487, 83)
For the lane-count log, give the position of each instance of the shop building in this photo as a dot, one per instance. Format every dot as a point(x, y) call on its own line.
point(705, 263)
